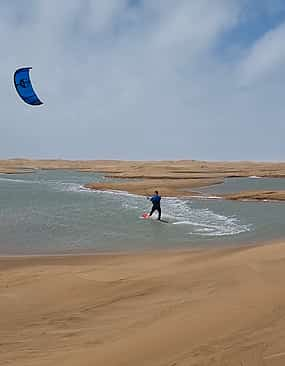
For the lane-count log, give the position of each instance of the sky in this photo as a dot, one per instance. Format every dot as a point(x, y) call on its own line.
point(145, 79)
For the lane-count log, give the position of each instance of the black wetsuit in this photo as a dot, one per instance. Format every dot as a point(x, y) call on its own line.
point(156, 205)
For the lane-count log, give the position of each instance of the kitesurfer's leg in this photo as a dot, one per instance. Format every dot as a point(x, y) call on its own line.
point(159, 213)
point(152, 210)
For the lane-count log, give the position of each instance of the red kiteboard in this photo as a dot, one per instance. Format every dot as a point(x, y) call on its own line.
point(145, 216)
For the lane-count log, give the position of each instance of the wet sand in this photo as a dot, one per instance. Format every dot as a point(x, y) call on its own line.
point(216, 307)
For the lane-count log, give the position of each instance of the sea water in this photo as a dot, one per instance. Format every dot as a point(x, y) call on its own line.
point(52, 212)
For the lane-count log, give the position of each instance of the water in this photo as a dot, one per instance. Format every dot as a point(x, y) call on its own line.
point(51, 212)
point(235, 185)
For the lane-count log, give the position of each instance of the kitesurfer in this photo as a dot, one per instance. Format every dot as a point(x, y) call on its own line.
point(155, 199)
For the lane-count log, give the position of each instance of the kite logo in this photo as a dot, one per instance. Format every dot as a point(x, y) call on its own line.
point(23, 83)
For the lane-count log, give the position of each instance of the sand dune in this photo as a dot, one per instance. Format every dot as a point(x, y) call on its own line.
point(216, 307)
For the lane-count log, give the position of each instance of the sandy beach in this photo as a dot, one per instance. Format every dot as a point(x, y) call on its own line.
point(176, 308)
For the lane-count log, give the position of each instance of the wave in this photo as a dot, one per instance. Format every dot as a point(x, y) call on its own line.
point(53, 184)
point(208, 197)
point(18, 180)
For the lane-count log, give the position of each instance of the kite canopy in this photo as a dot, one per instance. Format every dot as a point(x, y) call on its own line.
point(24, 86)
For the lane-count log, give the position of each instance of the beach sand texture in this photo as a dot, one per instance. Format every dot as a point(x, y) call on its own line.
point(216, 307)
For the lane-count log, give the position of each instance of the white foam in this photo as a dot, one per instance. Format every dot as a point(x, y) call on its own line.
point(207, 197)
point(203, 221)
point(66, 187)
point(114, 192)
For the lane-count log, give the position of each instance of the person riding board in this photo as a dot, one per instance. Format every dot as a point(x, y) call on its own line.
point(155, 199)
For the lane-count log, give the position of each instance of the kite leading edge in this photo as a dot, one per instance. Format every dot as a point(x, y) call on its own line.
point(24, 86)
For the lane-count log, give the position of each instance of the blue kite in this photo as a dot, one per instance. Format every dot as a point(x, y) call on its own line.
point(24, 86)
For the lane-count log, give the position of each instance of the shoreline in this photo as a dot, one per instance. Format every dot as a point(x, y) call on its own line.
point(215, 307)
point(138, 251)
point(145, 251)
point(134, 252)
point(257, 243)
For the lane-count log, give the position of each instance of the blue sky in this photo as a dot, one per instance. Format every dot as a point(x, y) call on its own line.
point(144, 79)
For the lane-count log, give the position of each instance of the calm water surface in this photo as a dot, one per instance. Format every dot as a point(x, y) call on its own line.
point(51, 212)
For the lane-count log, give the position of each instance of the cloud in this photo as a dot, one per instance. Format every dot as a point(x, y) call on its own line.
point(266, 57)
point(139, 79)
